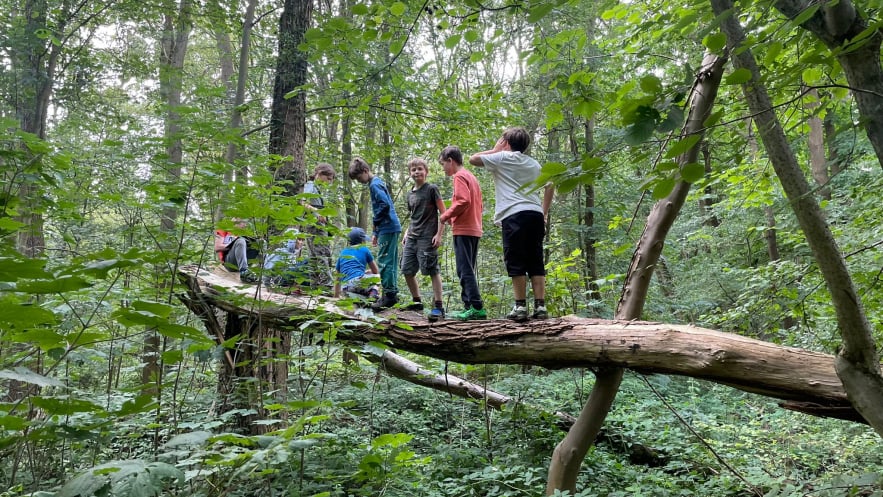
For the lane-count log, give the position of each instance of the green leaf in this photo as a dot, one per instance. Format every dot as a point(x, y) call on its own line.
point(16, 269)
point(663, 187)
point(804, 16)
point(773, 50)
point(715, 42)
point(692, 172)
point(25, 375)
point(738, 76)
point(539, 12)
point(681, 146)
point(45, 338)
point(360, 9)
point(13, 423)
point(156, 308)
point(9, 224)
point(674, 120)
point(61, 284)
point(567, 185)
point(397, 9)
point(23, 315)
point(65, 405)
point(195, 438)
point(640, 131)
point(553, 168)
point(142, 403)
point(651, 84)
point(133, 478)
point(586, 108)
point(452, 41)
point(713, 119)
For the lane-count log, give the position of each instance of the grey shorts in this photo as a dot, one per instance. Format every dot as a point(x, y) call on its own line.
point(419, 254)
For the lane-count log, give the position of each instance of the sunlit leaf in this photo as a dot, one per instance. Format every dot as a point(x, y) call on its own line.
point(397, 9)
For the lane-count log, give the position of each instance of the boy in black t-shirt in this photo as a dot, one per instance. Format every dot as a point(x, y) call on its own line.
point(423, 237)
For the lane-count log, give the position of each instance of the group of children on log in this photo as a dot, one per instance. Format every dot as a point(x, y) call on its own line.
point(519, 211)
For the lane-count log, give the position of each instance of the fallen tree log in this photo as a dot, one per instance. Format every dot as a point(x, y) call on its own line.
point(806, 380)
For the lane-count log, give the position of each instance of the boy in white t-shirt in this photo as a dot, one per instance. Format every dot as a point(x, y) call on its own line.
point(521, 215)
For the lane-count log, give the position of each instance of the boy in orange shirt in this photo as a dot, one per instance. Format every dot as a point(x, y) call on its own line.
point(464, 216)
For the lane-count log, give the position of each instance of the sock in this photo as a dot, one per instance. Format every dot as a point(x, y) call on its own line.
point(439, 305)
point(539, 303)
point(478, 306)
point(521, 303)
point(416, 299)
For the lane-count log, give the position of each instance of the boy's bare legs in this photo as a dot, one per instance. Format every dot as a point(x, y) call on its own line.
point(411, 280)
point(436, 287)
point(519, 287)
point(538, 283)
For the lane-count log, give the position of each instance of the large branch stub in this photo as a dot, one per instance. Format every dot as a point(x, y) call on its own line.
point(803, 377)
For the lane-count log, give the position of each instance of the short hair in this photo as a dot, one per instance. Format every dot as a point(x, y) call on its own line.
point(451, 152)
point(358, 166)
point(323, 168)
point(518, 138)
point(417, 161)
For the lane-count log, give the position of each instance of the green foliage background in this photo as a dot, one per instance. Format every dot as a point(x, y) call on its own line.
point(405, 79)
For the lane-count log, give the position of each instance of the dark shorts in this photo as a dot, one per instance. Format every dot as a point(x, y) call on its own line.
point(523, 234)
point(419, 254)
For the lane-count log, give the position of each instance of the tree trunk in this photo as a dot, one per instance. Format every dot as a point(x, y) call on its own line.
point(288, 115)
point(858, 363)
point(707, 200)
point(837, 24)
point(818, 162)
point(587, 235)
point(634, 292)
point(177, 24)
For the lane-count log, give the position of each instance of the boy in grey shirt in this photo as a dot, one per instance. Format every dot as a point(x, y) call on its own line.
point(521, 215)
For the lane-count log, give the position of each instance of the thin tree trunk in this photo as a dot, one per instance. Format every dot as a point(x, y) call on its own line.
point(707, 200)
point(818, 162)
point(857, 363)
point(177, 25)
point(587, 234)
point(571, 450)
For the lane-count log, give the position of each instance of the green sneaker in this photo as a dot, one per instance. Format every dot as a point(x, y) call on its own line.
point(471, 314)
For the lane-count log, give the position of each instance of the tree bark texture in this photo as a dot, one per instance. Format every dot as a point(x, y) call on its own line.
point(841, 28)
point(858, 363)
point(288, 114)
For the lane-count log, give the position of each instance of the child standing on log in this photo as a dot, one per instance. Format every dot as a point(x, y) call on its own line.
point(422, 238)
point(522, 217)
point(387, 229)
